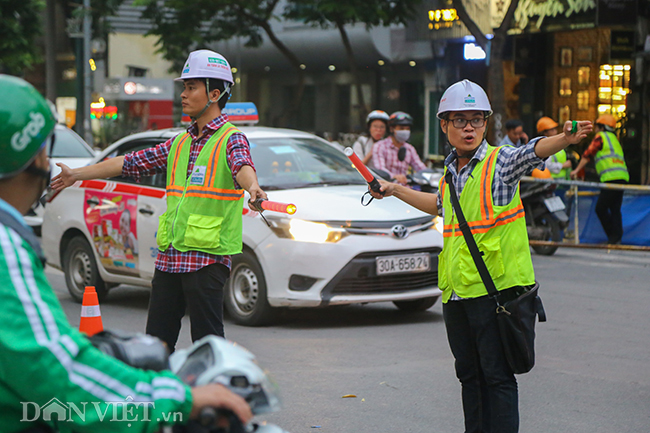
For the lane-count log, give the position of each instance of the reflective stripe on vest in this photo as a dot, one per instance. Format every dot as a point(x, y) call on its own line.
point(610, 162)
point(500, 232)
point(204, 209)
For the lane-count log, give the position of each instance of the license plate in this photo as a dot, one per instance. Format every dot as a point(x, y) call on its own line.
point(403, 264)
point(554, 204)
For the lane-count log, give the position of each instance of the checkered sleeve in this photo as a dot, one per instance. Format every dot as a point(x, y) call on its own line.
point(239, 154)
point(379, 156)
point(515, 162)
point(595, 147)
point(415, 160)
point(146, 162)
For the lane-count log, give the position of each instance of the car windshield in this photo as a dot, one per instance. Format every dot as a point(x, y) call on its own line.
point(67, 144)
point(296, 162)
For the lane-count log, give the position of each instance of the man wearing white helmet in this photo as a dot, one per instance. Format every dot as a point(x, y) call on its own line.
point(377, 122)
point(206, 167)
point(488, 178)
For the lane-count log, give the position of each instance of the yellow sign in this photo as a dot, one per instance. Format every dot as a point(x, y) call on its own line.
point(442, 18)
point(443, 15)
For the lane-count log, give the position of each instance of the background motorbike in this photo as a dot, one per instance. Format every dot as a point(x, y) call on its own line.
point(545, 215)
point(426, 180)
point(211, 359)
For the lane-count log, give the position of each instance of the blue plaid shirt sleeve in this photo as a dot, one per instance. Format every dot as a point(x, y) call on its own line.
point(513, 163)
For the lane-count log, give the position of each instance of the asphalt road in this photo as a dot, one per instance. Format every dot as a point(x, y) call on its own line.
point(593, 355)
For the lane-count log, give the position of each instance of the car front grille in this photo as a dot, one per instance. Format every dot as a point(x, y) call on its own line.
point(386, 284)
point(359, 276)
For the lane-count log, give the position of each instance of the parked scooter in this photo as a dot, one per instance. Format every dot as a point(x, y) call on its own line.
point(545, 215)
point(212, 359)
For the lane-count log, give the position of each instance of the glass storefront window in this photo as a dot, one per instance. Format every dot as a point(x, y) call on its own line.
point(614, 86)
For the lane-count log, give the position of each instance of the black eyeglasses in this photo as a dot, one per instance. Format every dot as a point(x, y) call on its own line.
point(461, 122)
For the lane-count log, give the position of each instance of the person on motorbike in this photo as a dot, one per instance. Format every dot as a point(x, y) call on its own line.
point(43, 357)
point(515, 135)
point(393, 154)
point(376, 122)
point(487, 182)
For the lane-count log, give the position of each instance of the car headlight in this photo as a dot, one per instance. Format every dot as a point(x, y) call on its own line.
point(307, 231)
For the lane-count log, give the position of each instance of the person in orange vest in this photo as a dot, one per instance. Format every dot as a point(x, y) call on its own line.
point(486, 179)
point(611, 168)
point(202, 226)
point(43, 357)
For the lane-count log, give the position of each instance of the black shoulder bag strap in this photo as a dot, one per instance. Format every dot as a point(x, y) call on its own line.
point(26, 233)
point(471, 242)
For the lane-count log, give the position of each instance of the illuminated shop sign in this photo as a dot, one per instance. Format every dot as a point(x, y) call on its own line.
point(471, 51)
point(442, 18)
point(563, 13)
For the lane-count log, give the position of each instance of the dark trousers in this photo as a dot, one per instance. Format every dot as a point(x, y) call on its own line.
point(489, 387)
point(200, 292)
point(608, 209)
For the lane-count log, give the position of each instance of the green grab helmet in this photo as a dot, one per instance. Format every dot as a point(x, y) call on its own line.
point(26, 122)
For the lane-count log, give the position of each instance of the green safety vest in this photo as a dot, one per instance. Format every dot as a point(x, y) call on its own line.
point(610, 162)
point(499, 231)
point(204, 210)
point(560, 157)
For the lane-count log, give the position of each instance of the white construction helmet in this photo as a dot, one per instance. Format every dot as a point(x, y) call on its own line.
point(206, 64)
point(464, 95)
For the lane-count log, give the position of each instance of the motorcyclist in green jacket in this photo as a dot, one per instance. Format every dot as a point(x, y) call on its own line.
point(45, 364)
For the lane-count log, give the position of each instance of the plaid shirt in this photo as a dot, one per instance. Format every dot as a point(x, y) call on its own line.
point(147, 162)
point(384, 157)
point(512, 163)
point(595, 147)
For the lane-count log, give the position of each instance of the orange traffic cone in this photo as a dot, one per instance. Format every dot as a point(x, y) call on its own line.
point(91, 317)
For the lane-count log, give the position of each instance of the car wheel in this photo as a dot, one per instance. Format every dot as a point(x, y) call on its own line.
point(81, 269)
point(416, 305)
point(245, 296)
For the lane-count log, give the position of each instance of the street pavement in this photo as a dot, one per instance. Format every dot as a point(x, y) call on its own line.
point(593, 355)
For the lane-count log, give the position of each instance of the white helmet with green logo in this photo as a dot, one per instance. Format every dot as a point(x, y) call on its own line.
point(462, 96)
point(206, 64)
point(26, 123)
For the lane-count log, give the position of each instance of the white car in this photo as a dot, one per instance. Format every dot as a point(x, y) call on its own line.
point(331, 251)
point(69, 149)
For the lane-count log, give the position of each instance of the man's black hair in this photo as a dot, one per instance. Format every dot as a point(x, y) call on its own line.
point(215, 83)
point(513, 124)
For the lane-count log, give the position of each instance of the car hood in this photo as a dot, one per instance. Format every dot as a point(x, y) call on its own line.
point(343, 203)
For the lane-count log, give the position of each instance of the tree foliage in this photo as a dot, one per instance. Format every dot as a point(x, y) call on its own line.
point(20, 25)
point(337, 13)
point(496, 52)
point(179, 28)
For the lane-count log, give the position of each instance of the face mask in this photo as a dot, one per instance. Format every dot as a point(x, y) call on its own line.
point(402, 135)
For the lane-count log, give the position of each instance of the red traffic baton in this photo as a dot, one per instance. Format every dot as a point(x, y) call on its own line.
point(262, 204)
point(363, 170)
point(275, 206)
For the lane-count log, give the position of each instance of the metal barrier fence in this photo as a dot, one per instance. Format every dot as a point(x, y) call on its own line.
point(574, 185)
